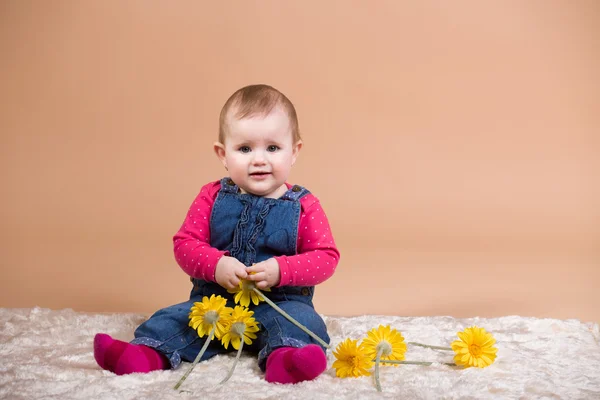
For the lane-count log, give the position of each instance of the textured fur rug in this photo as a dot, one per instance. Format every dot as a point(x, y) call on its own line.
point(47, 354)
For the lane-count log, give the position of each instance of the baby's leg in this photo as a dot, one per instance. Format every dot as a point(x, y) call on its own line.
point(288, 354)
point(161, 342)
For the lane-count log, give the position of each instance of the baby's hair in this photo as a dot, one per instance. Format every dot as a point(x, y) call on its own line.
point(258, 100)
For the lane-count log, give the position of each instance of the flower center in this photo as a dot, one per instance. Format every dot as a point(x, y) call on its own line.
point(211, 317)
point(385, 347)
point(247, 286)
point(355, 362)
point(475, 350)
point(238, 328)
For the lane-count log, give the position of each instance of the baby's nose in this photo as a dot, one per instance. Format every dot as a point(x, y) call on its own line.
point(259, 157)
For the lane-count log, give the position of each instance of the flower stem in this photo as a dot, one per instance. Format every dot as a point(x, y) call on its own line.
point(416, 362)
point(237, 358)
point(292, 320)
point(198, 357)
point(430, 346)
point(377, 362)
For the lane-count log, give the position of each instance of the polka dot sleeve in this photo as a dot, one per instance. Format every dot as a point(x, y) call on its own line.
point(317, 255)
point(192, 247)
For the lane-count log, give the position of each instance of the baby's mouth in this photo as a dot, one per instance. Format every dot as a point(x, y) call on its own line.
point(260, 176)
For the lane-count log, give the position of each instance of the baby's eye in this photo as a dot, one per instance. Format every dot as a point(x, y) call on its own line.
point(272, 148)
point(244, 149)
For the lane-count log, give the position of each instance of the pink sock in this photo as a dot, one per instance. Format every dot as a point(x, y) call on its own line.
point(293, 365)
point(125, 358)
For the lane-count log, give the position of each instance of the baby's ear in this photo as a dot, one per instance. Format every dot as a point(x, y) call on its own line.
point(220, 152)
point(296, 150)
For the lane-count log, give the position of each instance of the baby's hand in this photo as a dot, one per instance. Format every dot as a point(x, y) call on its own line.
point(265, 274)
point(229, 271)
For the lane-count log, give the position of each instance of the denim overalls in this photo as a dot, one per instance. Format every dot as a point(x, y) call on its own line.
point(252, 229)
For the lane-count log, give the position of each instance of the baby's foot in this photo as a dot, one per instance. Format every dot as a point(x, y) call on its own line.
point(293, 365)
point(125, 358)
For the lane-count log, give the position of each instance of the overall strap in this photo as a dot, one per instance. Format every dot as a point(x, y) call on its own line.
point(295, 193)
point(229, 186)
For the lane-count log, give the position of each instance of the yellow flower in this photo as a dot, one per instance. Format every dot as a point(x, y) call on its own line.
point(389, 341)
point(244, 293)
point(474, 349)
point(241, 326)
point(204, 314)
point(352, 360)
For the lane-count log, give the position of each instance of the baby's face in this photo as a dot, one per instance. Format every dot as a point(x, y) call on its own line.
point(259, 153)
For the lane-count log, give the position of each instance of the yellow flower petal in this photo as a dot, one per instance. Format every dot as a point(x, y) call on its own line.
point(464, 337)
point(237, 297)
point(486, 359)
point(225, 340)
point(391, 337)
point(241, 317)
point(198, 313)
point(352, 360)
point(474, 349)
point(245, 293)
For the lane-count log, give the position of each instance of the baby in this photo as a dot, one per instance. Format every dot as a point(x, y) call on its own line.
point(250, 225)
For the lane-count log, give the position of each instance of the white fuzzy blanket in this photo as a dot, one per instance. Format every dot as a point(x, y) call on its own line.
point(47, 354)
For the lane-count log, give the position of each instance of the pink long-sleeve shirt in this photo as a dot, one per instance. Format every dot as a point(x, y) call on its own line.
point(316, 259)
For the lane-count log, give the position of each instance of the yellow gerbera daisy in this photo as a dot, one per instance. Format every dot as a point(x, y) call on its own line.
point(204, 314)
point(474, 349)
point(245, 292)
point(352, 359)
point(389, 341)
point(240, 326)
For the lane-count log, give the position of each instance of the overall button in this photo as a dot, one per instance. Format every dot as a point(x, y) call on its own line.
point(305, 291)
point(296, 188)
point(230, 182)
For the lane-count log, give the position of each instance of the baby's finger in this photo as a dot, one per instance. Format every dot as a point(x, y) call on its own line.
point(254, 269)
point(262, 285)
point(260, 276)
point(253, 275)
point(241, 273)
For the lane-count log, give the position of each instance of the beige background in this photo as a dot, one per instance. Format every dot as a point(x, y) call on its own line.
point(454, 145)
